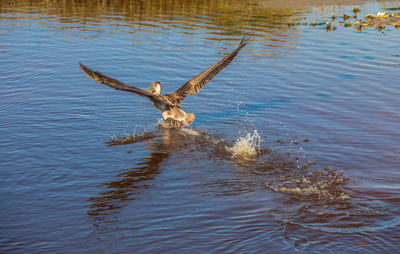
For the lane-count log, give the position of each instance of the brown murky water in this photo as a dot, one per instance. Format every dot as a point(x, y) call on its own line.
point(295, 147)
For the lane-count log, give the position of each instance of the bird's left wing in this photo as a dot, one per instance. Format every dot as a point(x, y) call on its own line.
point(100, 78)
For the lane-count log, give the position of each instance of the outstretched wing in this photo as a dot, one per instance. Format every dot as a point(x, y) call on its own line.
point(100, 78)
point(194, 85)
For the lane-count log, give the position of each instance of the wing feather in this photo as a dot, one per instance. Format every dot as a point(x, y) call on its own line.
point(100, 78)
point(194, 85)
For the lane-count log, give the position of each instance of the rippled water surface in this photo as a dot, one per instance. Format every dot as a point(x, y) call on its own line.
point(295, 147)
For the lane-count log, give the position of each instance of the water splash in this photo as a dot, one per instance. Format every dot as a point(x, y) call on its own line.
point(161, 123)
point(190, 131)
point(246, 147)
point(319, 185)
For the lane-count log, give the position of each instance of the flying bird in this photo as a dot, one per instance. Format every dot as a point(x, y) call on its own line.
point(168, 104)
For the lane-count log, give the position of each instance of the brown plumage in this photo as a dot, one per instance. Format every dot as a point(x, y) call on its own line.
point(168, 104)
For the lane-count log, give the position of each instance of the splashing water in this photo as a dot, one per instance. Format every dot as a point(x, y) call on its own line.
point(246, 147)
point(190, 131)
point(318, 185)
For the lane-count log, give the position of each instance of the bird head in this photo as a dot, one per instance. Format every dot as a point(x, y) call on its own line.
point(155, 88)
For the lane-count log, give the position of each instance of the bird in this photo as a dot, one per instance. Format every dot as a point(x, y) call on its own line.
point(169, 104)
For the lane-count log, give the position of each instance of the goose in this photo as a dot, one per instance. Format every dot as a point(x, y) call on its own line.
point(169, 104)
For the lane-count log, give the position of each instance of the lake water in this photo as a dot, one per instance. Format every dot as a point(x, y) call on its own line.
point(295, 147)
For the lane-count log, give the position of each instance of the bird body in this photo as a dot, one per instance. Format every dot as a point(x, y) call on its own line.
point(168, 104)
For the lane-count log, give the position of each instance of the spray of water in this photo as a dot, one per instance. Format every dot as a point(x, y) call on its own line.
point(189, 131)
point(247, 147)
point(319, 184)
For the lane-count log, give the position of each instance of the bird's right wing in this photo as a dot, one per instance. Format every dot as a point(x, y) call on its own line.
point(100, 78)
point(194, 85)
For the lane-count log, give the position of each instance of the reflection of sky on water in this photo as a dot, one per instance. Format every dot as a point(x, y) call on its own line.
point(319, 99)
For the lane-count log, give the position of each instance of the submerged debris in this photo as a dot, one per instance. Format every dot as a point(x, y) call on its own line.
point(356, 9)
point(328, 26)
point(359, 26)
point(379, 21)
point(380, 26)
point(370, 16)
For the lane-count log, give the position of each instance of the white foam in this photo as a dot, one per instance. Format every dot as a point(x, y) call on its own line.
point(190, 131)
point(313, 190)
point(320, 185)
point(246, 147)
